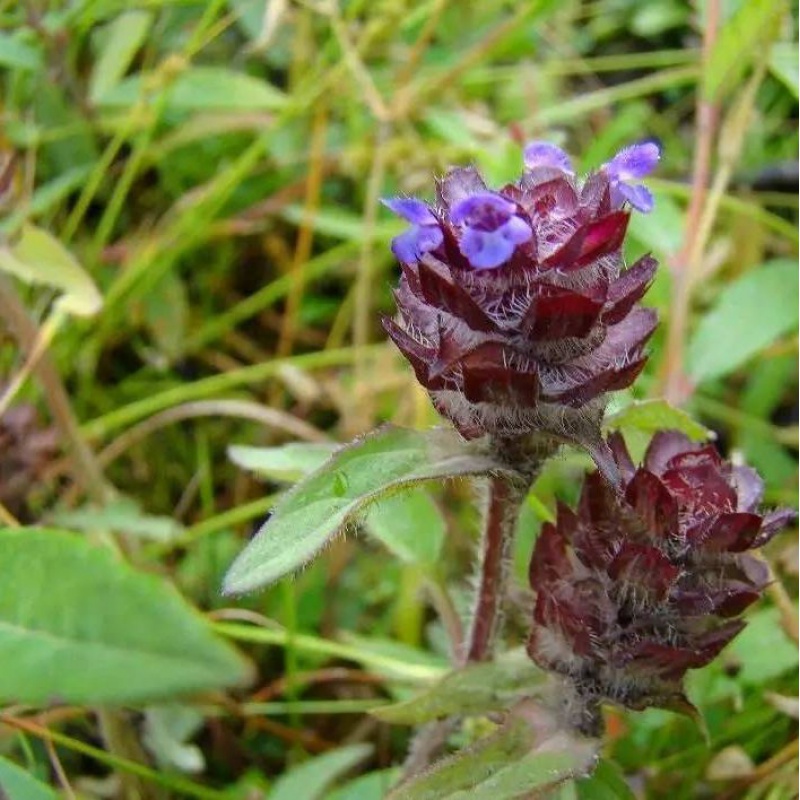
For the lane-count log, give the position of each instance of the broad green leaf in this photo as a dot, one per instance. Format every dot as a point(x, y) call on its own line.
point(199, 89)
point(333, 497)
point(409, 525)
point(650, 416)
point(17, 784)
point(373, 786)
point(763, 649)
point(311, 779)
point(38, 257)
point(748, 316)
point(78, 625)
point(743, 37)
point(605, 783)
point(123, 37)
point(783, 64)
point(507, 765)
point(121, 516)
point(289, 462)
point(17, 54)
point(476, 689)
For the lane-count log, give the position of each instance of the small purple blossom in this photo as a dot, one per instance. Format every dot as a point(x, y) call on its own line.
point(545, 154)
point(423, 236)
point(491, 229)
point(629, 164)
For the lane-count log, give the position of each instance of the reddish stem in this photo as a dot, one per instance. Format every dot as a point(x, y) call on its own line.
point(504, 502)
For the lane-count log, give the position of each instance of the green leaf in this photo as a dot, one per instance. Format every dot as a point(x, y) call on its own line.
point(313, 778)
point(748, 316)
point(372, 786)
point(198, 89)
point(80, 626)
point(333, 497)
point(507, 765)
point(605, 783)
point(121, 516)
point(783, 64)
point(123, 37)
point(409, 525)
point(17, 54)
point(17, 784)
point(467, 768)
point(763, 649)
point(38, 257)
point(289, 463)
point(477, 689)
point(743, 38)
point(650, 416)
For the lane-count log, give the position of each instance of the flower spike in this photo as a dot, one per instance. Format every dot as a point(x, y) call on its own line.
point(515, 307)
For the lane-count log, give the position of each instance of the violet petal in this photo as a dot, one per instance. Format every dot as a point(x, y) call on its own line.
point(486, 249)
point(545, 154)
point(410, 245)
point(638, 196)
point(635, 161)
point(486, 210)
point(411, 209)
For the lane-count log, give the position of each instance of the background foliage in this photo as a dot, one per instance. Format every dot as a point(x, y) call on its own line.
point(210, 172)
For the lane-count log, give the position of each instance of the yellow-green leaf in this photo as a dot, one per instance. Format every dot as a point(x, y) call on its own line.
point(37, 257)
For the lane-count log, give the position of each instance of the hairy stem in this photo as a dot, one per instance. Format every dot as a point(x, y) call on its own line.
point(501, 516)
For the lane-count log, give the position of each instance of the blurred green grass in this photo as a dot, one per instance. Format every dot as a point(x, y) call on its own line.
point(216, 168)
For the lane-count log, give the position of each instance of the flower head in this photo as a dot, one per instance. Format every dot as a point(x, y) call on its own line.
point(637, 588)
point(515, 308)
point(629, 164)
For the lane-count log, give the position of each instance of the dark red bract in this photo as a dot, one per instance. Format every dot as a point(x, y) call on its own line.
point(523, 325)
point(635, 589)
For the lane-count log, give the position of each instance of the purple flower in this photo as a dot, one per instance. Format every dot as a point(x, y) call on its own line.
point(629, 164)
point(491, 229)
point(544, 154)
point(424, 234)
point(524, 318)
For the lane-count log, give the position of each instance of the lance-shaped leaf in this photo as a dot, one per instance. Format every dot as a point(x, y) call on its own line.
point(527, 754)
point(333, 497)
point(476, 689)
point(409, 525)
